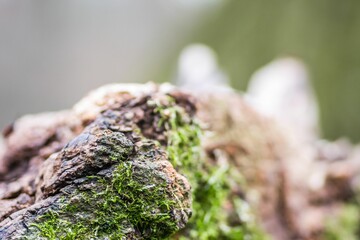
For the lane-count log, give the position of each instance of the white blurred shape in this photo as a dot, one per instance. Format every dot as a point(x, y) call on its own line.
point(198, 70)
point(282, 90)
point(2, 152)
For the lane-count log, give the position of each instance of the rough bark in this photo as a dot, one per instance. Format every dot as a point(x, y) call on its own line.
point(53, 162)
point(74, 168)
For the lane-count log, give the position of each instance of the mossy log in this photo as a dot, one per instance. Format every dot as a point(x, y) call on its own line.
point(71, 176)
point(152, 162)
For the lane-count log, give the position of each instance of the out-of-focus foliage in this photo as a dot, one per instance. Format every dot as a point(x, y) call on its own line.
point(325, 34)
point(58, 50)
point(345, 225)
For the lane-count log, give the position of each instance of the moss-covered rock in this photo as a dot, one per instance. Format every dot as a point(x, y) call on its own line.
point(217, 214)
point(107, 183)
point(133, 200)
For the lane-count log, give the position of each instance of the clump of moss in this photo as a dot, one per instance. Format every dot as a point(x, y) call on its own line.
point(210, 181)
point(183, 139)
point(134, 203)
point(345, 225)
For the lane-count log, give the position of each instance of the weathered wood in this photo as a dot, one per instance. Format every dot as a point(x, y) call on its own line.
point(79, 168)
point(294, 186)
point(54, 161)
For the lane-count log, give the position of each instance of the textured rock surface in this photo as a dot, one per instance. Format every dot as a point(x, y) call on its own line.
point(150, 162)
point(102, 176)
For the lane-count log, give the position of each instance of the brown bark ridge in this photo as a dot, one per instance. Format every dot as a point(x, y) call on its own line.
point(96, 157)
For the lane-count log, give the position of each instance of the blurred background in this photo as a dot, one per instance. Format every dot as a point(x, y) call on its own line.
point(54, 52)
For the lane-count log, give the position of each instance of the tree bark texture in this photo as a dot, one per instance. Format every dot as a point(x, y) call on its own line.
point(103, 169)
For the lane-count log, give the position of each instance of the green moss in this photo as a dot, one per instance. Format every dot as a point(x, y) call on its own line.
point(345, 225)
point(210, 182)
point(136, 204)
point(183, 139)
point(208, 203)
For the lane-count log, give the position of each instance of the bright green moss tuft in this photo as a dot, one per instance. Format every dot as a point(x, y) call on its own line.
point(135, 205)
point(345, 225)
point(183, 134)
point(210, 182)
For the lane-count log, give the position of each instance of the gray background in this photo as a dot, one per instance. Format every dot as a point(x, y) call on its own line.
point(53, 52)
